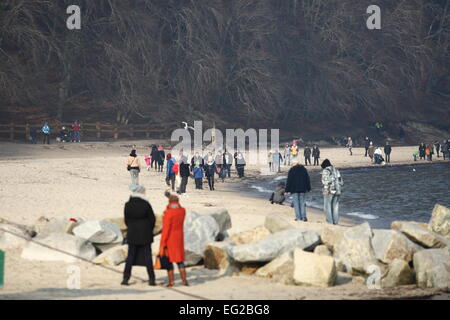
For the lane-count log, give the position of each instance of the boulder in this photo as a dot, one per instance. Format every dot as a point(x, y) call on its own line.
point(58, 247)
point(120, 223)
point(99, 232)
point(272, 246)
point(432, 268)
point(331, 235)
point(399, 274)
point(249, 236)
point(12, 236)
point(45, 226)
point(102, 247)
point(281, 269)
point(275, 224)
point(222, 218)
point(313, 270)
point(113, 256)
point(440, 221)
point(217, 255)
point(420, 235)
point(323, 251)
point(355, 249)
point(389, 245)
point(199, 230)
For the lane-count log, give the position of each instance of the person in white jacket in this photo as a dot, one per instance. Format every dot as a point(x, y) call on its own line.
point(332, 184)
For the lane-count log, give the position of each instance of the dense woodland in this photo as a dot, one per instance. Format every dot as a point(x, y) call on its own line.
point(277, 63)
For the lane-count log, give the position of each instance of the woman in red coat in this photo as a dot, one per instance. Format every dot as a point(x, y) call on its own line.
point(172, 237)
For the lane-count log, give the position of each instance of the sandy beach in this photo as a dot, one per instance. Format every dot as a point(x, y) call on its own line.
point(90, 180)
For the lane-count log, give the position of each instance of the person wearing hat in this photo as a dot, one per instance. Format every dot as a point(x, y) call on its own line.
point(298, 183)
point(134, 167)
point(172, 237)
point(140, 221)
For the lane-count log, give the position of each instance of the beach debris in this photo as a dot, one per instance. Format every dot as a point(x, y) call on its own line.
point(313, 270)
point(440, 221)
point(275, 224)
point(99, 232)
point(113, 256)
point(420, 235)
point(56, 242)
point(249, 236)
point(355, 249)
point(199, 230)
point(323, 250)
point(12, 237)
point(281, 269)
point(391, 244)
point(272, 246)
point(432, 268)
point(399, 274)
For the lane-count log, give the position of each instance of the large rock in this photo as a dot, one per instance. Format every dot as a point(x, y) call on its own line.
point(222, 218)
point(113, 256)
point(440, 221)
point(420, 235)
point(199, 230)
point(249, 236)
point(45, 226)
point(313, 270)
point(217, 255)
point(432, 268)
point(281, 269)
point(399, 274)
point(390, 245)
point(12, 237)
point(120, 223)
point(99, 232)
point(275, 224)
point(331, 235)
point(355, 249)
point(276, 244)
point(58, 247)
point(323, 250)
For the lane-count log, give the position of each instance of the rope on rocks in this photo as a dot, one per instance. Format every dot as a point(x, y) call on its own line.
point(90, 262)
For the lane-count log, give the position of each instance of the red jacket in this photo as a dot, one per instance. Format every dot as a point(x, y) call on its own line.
point(176, 168)
point(172, 232)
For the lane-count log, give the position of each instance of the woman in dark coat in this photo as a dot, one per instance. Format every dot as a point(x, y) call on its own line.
point(172, 237)
point(140, 221)
point(155, 156)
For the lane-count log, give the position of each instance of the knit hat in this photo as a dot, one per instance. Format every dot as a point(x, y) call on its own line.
point(172, 196)
point(136, 188)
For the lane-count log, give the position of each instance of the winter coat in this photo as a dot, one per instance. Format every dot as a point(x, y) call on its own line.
point(154, 153)
point(198, 173)
point(422, 150)
point(197, 162)
point(366, 143)
point(228, 158)
point(170, 164)
point(298, 180)
point(133, 162)
point(316, 152)
point(210, 169)
point(307, 153)
point(184, 169)
point(162, 155)
point(332, 180)
point(172, 235)
point(387, 149)
point(371, 151)
point(140, 221)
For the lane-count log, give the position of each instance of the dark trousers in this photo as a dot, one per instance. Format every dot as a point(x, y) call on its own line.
point(160, 166)
point(307, 159)
point(198, 183)
point(183, 184)
point(132, 250)
point(240, 171)
point(46, 138)
point(367, 150)
point(211, 181)
point(153, 162)
point(170, 180)
point(388, 157)
point(316, 161)
point(229, 170)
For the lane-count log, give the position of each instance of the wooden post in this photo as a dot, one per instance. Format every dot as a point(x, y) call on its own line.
point(98, 126)
point(27, 131)
point(116, 132)
point(11, 131)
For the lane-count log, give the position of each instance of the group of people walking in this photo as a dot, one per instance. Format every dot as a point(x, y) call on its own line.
point(426, 151)
point(292, 151)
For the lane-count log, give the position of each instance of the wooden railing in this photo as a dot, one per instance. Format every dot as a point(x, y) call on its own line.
point(13, 131)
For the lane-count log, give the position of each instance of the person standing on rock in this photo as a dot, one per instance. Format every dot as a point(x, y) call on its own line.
point(332, 184)
point(172, 238)
point(134, 167)
point(298, 183)
point(140, 221)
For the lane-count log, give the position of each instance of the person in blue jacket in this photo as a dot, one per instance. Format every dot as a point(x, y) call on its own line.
point(170, 174)
point(197, 164)
point(46, 132)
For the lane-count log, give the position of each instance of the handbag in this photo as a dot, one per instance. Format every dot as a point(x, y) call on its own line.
point(162, 261)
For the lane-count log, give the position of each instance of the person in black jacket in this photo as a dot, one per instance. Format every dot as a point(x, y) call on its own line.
point(184, 174)
point(316, 155)
point(298, 183)
point(366, 145)
point(307, 154)
point(140, 221)
point(155, 157)
point(387, 152)
point(422, 148)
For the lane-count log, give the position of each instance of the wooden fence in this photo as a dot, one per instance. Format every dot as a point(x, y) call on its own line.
point(92, 131)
